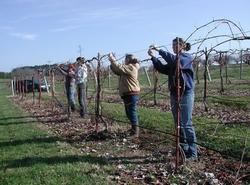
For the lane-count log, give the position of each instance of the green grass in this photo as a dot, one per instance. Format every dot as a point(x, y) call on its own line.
point(29, 155)
point(227, 139)
point(233, 71)
point(238, 102)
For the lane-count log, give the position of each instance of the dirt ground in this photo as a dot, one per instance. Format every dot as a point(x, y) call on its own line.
point(147, 160)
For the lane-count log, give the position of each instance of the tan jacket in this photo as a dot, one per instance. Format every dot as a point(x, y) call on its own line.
point(128, 82)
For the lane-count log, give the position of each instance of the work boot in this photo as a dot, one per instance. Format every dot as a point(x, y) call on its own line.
point(73, 108)
point(135, 131)
point(82, 114)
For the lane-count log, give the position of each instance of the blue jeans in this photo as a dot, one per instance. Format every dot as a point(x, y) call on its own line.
point(70, 90)
point(130, 103)
point(187, 132)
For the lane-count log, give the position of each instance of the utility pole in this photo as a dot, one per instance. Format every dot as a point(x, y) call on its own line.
point(80, 50)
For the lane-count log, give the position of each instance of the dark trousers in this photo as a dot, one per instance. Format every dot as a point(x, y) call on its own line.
point(81, 92)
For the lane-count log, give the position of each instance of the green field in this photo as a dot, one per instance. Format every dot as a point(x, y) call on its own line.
point(29, 154)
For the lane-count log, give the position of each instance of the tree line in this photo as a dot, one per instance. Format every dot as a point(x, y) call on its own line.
point(5, 75)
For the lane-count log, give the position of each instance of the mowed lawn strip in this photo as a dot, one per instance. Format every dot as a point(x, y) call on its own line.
point(29, 155)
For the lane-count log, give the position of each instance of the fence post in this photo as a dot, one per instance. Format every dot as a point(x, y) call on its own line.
point(155, 74)
point(109, 76)
point(241, 66)
point(12, 87)
point(15, 85)
point(39, 86)
point(46, 84)
point(221, 76)
point(226, 68)
point(146, 72)
point(23, 87)
point(98, 89)
point(33, 89)
point(205, 80)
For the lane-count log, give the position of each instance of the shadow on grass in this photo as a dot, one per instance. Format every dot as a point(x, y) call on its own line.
point(39, 140)
point(32, 121)
point(16, 123)
point(31, 161)
point(30, 116)
point(30, 141)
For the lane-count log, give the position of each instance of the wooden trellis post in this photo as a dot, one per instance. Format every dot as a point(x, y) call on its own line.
point(33, 88)
point(146, 73)
point(241, 66)
point(12, 87)
point(98, 91)
point(52, 75)
point(26, 86)
point(221, 76)
point(226, 68)
point(18, 86)
point(208, 73)
point(205, 80)
point(197, 71)
point(46, 84)
point(23, 87)
point(109, 76)
point(39, 86)
point(155, 74)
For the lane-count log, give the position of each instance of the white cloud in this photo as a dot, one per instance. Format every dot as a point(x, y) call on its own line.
point(66, 28)
point(25, 36)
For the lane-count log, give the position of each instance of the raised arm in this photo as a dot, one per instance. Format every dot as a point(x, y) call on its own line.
point(162, 68)
point(63, 71)
point(120, 69)
point(168, 57)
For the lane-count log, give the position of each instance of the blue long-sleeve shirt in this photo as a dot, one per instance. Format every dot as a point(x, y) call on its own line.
point(170, 69)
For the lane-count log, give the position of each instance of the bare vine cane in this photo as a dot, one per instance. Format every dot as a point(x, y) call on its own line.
point(177, 161)
point(52, 75)
point(22, 87)
point(98, 93)
point(97, 76)
point(25, 86)
point(33, 88)
point(179, 153)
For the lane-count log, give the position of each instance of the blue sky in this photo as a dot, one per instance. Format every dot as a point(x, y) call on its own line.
point(34, 32)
